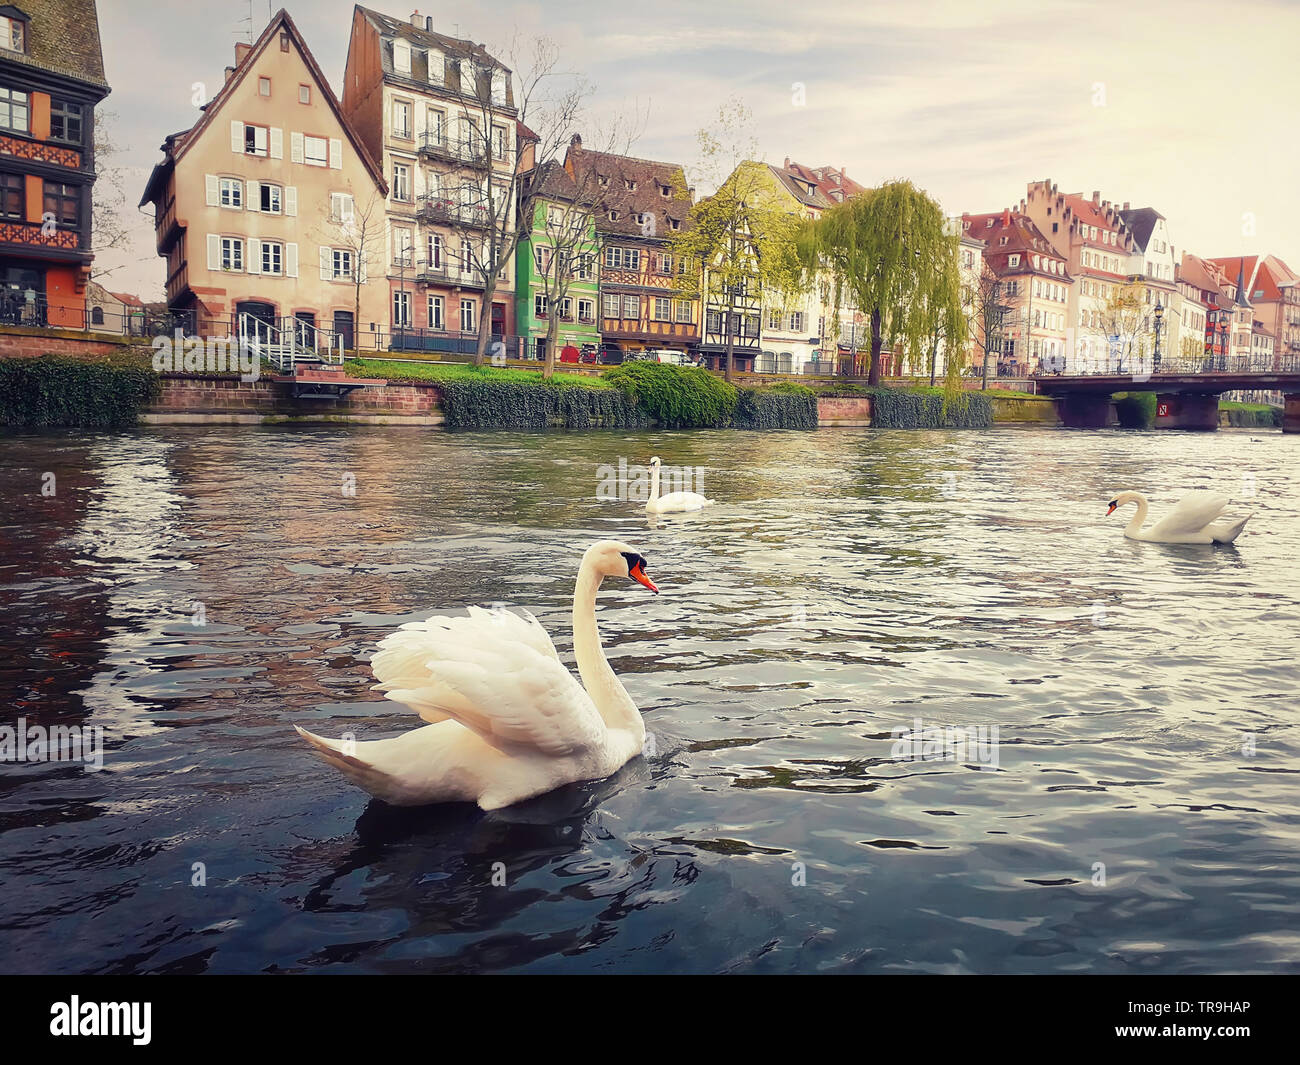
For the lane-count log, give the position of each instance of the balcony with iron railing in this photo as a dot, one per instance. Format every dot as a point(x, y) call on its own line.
point(440, 210)
point(455, 150)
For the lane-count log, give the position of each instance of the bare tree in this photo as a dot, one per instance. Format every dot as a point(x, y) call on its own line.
point(112, 227)
point(356, 230)
point(542, 104)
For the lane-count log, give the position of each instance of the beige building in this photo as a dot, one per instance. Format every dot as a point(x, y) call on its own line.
point(438, 113)
point(259, 207)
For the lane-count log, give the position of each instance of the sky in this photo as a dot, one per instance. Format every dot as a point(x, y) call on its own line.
point(1186, 106)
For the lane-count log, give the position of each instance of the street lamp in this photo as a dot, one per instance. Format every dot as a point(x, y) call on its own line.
point(1160, 314)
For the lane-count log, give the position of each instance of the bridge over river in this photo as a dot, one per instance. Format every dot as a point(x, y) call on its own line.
point(1184, 400)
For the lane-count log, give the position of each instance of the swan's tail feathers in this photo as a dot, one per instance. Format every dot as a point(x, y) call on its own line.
point(1226, 532)
point(341, 755)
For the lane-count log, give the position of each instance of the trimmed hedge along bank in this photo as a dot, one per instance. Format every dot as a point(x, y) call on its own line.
point(924, 408)
point(55, 390)
point(644, 394)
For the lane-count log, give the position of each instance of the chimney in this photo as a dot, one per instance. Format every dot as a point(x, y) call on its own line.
point(787, 163)
point(844, 171)
point(1126, 205)
point(575, 141)
point(241, 50)
point(428, 23)
point(415, 18)
point(1096, 196)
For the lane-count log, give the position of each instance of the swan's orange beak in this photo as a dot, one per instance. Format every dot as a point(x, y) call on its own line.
point(637, 573)
point(1111, 511)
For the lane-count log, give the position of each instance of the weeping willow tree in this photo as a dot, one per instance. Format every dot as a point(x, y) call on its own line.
point(890, 248)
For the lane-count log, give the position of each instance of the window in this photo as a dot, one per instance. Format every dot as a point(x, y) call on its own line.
point(566, 309)
point(231, 193)
point(272, 197)
point(614, 216)
point(232, 253)
point(65, 121)
point(498, 142)
point(434, 120)
point(774, 319)
point(402, 57)
point(629, 184)
point(467, 316)
point(64, 202)
point(304, 94)
point(402, 119)
point(663, 309)
point(665, 264)
point(435, 67)
point(539, 305)
point(542, 259)
point(263, 86)
point(623, 258)
point(674, 224)
point(435, 252)
point(665, 191)
point(466, 257)
point(272, 257)
point(15, 111)
point(316, 151)
point(713, 322)
point(796, 322)
point(586, 267)
point(284, 42)
point(12, 35)
point(256, 140)
point(683, 311)
point(1013, 260)
point(342, 264)
point(631, 307)
point(13, 199)
point(402, 309)
point(401, 246)
point(586, 310)
point(436, 319)
point(401, 182)
point(610, 307)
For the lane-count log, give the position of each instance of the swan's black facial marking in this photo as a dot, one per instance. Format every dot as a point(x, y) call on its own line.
point(633, 560)
point(1112, 505)
point(636, 570)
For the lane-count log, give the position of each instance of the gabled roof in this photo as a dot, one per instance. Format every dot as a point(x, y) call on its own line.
point(1206, 276)
point(648, 175)
point(1141, 222)
point(177, 144)
point(62, 38)
point(803, 189)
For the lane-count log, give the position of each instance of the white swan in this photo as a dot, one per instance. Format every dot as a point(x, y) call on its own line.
point(673, 501)
point(1190, 522)
point(507, 719)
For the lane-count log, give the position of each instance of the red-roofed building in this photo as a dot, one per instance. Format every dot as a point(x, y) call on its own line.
point(1273, 292)
point(1035, 289)
point(1211, 287)
point(835, 185)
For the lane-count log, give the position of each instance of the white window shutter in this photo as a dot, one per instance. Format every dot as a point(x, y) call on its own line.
point(361, 266)
point(291, 260)
point(254, 196)
point(291, 200)
point(326, 264)
point(296, 151)
point(214, 251)
point(277, 143)
point(348, 213)
point(237, 137)
point(336, 154)
point(213, 190)
point(254, 264)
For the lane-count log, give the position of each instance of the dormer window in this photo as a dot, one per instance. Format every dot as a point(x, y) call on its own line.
point(401, 57)
point(665, 191)
point(613, 216)
point(604, 181)
point(435, 67)
point(674, 224)
point(629, 184)
point(13, 32)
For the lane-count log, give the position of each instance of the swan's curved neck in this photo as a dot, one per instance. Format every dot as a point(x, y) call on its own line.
point(604, 687)
point(654, 483)
point(1140, 518)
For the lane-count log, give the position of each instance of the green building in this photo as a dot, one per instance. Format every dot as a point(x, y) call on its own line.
point(563, 231)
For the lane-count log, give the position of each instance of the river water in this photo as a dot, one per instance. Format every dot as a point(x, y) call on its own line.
point(1137, 812)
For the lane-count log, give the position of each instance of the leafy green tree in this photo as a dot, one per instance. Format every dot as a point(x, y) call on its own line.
point(891, 248)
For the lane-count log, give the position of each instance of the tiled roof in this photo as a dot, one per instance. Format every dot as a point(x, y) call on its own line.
point(649, 177)
point(1204, 275)
point(834, 184)
point(63, 38)
point(552, 181)
point(1023, 238)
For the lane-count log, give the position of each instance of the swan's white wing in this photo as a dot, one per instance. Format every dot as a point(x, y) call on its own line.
point(1193, 512)
point(496, 673)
